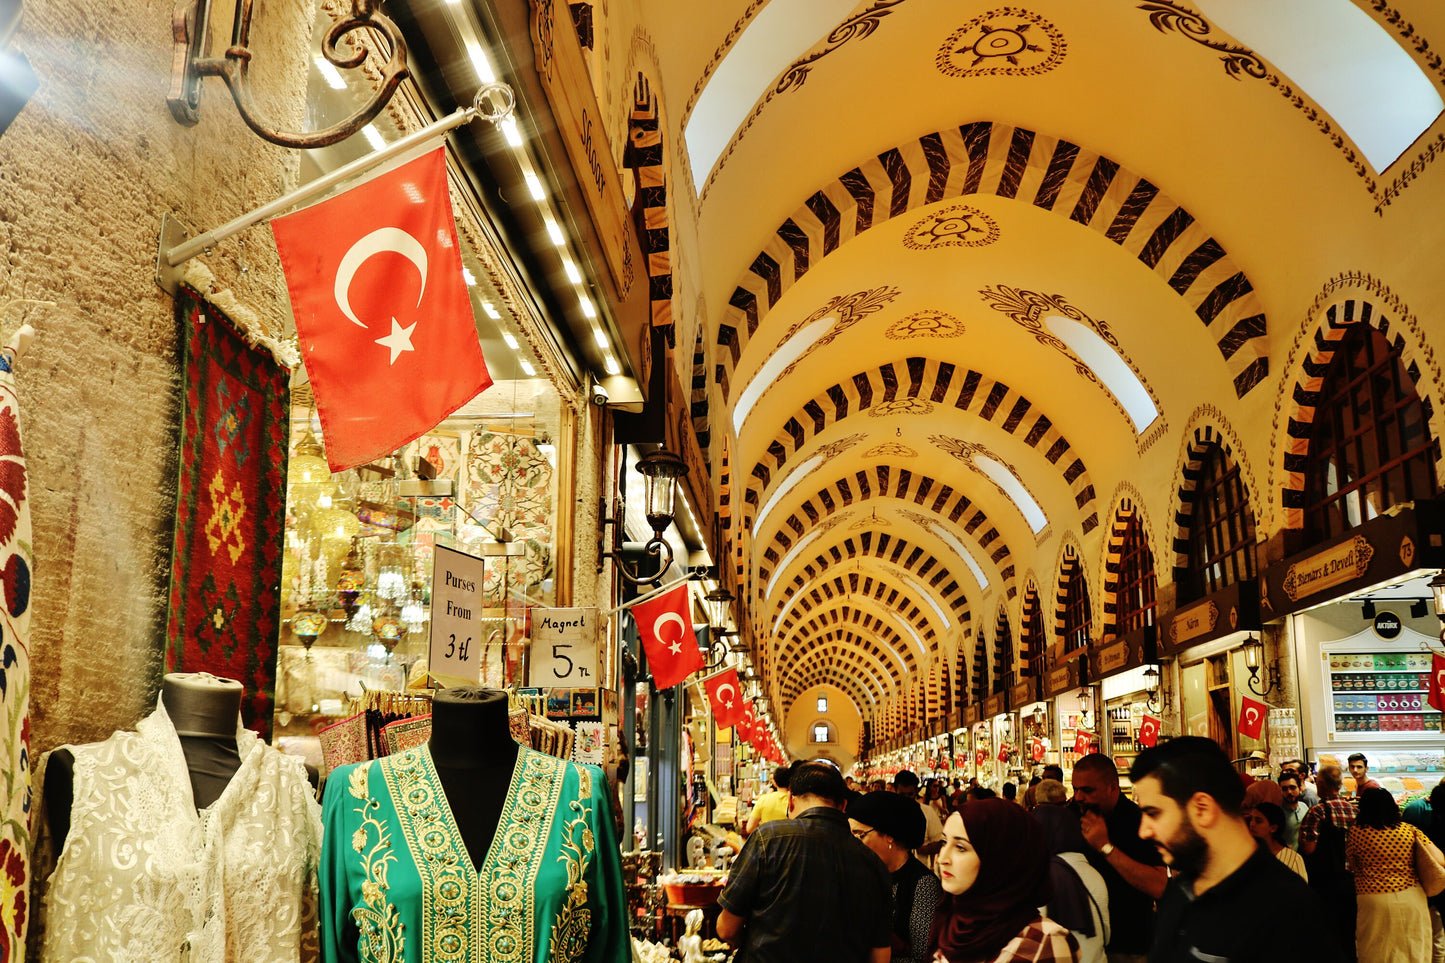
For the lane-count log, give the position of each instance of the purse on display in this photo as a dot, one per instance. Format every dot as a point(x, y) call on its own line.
point(1429, 866)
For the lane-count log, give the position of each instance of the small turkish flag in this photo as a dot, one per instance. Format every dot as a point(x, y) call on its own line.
point(1251, 717)
point(1003, 751)
point(1437, 683)
point(1083, 742)
point(747, 726)
point(1036, 749)
point(1148, 731)
point(665, 626)
point(980, 756)
point(722, 692)
point(382, 311)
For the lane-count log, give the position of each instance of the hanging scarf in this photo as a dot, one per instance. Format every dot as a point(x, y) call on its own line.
point(1012, 883)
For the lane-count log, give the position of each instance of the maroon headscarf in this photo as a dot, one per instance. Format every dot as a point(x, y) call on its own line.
point(1012, 883)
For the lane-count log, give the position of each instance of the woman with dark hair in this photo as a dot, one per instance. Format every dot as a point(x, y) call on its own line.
point(1393, 921)
point(893, 826)
point(995, 869)
point(935, 797)
point(1266, 825)
point(1080, 899)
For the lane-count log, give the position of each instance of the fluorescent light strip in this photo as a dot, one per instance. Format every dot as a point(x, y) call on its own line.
point(589, 310)
point(573, 275)
point(527, 367)
point(373, 137)
point(612, 367)
point(491, 311)
point(554, 231)
point(511, 341)
point(510, 131)
point(330, 74)
point(480, 63)
point(534, 184)
point(471, 280)
point(600, 337)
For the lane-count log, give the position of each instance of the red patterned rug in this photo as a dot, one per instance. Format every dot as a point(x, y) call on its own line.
point(225, 599)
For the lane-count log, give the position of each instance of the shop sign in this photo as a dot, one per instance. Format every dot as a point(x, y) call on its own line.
point(1193, 622)
point(1023, 693)
point(1387, 625)
point(579, 119)
point(971, 714)
point(456, 615)
point(995, 704)
point(1324, 570)
point(1063, 678)
point(1128, 652)
point(564, 647)
point(1114, 658)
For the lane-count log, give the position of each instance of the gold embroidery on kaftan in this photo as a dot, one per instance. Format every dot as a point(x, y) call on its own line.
point(496, 905)
point(382, 934)
point(574, 919)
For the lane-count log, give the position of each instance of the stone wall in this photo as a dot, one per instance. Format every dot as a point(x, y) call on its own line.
point(86, 172)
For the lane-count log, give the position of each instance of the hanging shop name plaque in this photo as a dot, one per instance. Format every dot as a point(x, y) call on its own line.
point(456, 616)
point(564, 647)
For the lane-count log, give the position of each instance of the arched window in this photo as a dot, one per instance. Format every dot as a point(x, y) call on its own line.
point(822, 733)
point(1034, 642)
point(1221, 529)
point(1078, 617)
point(1003, 651)
point(1134, 601)
point(1370, 444)
point(980, 669)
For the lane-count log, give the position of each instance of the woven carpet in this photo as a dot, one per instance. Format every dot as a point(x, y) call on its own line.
point(223, 615)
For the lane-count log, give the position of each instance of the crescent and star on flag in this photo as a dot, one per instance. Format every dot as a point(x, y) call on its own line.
point(395, 240)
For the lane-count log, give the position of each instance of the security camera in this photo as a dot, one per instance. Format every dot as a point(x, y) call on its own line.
point(599, 395)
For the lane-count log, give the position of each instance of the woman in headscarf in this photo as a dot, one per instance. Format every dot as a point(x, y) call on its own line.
point(1080, 900)
point(995, 869)
point(893, 826)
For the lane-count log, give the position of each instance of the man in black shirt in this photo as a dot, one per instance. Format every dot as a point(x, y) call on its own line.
point(1230, 901)
point(1131, 867)
point(805, 888)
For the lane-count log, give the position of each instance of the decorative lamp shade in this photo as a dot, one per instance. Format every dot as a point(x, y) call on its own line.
point(389, 630)
point(308, 466)
point(337, 524)
point(1252, 653)
point(718, 601)
point(661, 468)
point(308, 626)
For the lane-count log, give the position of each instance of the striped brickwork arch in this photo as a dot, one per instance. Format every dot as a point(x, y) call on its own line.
point(840, 653)
point(855, 586)
point(1071, 562)
point(1310, 381)
point(1047, 172)
point(1032, 640)
point(645, 156)
point(701, 422)
point(897, 551)
point(963, 689)
point(1127, 513)
point(939, 383)
point(1191, 469)
point(884, 668)
point(980, 667)
point(1003, 650)
point(887, 481)
point(833, 675)
point(796, 632)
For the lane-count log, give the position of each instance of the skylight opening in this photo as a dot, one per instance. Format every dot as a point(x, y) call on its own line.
point(952, 542)
point(787, 485)
point(1118, 378)
point(1015, 490)
point(773, 368)
point(1345, 61)
point(781, 33)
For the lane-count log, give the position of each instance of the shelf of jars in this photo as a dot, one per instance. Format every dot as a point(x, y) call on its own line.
point(1381, 692)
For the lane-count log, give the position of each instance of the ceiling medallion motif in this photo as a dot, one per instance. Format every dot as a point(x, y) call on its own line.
point(1009, 41)
point(925, 324)
point(849, 309)
point(901, 406)
point(871, 521)
point(832, 450)
point(890, 448)
point(957, 226)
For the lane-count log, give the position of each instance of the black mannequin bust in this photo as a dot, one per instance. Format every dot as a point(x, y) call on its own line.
point(205, 710)
point(474, 753)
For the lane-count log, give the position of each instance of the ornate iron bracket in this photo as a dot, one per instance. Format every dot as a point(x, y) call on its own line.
point(190, 28)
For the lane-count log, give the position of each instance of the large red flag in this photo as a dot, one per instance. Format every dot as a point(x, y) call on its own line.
point(727, 701)
point(1437, 683)
point(382, 310)
point(1251, 717)
point(665, 625)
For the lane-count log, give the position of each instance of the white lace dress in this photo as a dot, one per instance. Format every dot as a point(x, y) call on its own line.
point(144, 877)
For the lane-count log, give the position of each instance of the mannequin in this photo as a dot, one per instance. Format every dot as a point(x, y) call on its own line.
point(474, 754)
point(205, 710)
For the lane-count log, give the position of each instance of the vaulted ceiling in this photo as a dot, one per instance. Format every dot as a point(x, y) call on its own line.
point(903, 265)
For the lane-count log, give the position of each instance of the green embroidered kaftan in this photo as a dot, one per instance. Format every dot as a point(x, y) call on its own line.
point(397, 885)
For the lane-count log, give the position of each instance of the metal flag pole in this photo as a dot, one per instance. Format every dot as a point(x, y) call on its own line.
point(647, 597)
point(493, 102)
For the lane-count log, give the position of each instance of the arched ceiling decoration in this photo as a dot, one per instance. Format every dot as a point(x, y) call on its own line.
point(950, 290)
point(1047, 172)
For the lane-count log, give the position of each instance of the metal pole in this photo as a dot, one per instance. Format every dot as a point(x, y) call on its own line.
point(196, 245)
point(648, 596)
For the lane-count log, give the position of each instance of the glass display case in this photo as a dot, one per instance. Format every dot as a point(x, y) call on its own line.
point(1381, 693)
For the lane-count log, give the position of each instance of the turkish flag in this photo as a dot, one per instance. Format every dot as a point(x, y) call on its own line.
point(1036, 749)
point(382, 311)
point(1003, 751)
point(1148, 731)
point(722, 691)
point(1251, 717)
point(747, 726)
point(1437, 683)
point(1083, 742)
point(980, 756)
point(665, 625)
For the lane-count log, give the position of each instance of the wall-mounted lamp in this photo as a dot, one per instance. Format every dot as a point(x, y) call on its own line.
point(662, 469)
point(1254, 662)
point(719, 602)
point(1152, 679)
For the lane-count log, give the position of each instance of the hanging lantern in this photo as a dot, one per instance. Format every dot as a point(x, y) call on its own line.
point(351, 581)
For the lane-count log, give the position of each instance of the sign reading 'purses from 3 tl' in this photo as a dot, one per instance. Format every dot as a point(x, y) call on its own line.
point(564, 647)
point(454, 654)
